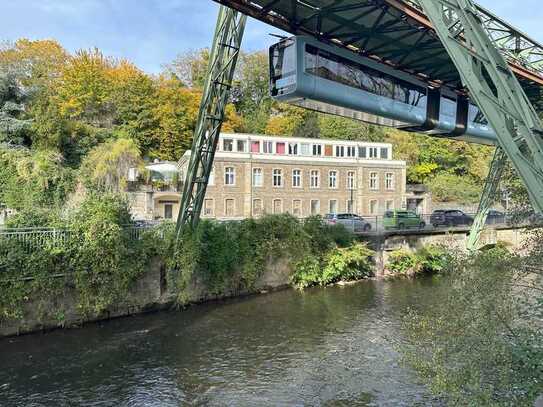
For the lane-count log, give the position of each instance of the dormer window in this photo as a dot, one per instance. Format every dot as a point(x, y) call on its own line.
point(293, 148)
point(241, 145)
point(228, 144)
point(280, 148)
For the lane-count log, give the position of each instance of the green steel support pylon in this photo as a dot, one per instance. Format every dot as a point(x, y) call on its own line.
point(222, 63)
point(493, 87)
point(487, 199)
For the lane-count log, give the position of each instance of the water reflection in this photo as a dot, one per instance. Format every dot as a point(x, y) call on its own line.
point(325, 346)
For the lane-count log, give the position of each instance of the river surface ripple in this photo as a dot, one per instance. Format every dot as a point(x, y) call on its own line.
point(332, 346)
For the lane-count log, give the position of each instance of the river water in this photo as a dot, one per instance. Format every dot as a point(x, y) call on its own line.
point(332, 346)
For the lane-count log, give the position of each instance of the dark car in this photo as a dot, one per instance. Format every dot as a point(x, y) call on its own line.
point(495, 217)
point(352, 222)
point(450, 217)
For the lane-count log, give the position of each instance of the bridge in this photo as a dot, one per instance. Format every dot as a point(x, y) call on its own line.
point(453, 44)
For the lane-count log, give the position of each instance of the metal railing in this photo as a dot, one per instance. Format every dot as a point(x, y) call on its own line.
point(32, 238)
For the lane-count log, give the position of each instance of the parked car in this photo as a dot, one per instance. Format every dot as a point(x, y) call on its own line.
point(352, 222)
point(450, 217)
point(402, 220)
point(495, 217)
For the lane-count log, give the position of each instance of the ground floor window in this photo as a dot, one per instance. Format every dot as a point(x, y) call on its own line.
point(332, 207)
point(258, 209)
point(390, 205)
point(277, 206)
point(208, 207)
point(315, 207)
point(229, 207)
point(297, 208)
point(373, 207)
point(168, 211)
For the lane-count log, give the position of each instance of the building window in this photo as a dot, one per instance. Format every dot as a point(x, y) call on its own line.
point(350, 206)
point(315, 181)
point(168, 211)
point(328, 150)
point(229, 176)
point(229, 207)
point(372, 152)
point(280, 148)
point(373, 207)
point(374, 181)
point(255, 147)
point(257, 177)
point(228, 144)
point(317, 149)
point(293, 148)
point(241, 144)
point(389, 181)
point(277, 177)
point(362, 152)
point(211, 179)
point(208, 207)
point(296, 178)
point(315, 207)
point(384, 153)
point(267, 147)
point(332, 179)
point(297, 208)
point(351, 184)
point(390, 205)
point(340, 151)
point(277, 206)
point(351, 151)
point(305, 149)
point(332, 206)
point(258, 210)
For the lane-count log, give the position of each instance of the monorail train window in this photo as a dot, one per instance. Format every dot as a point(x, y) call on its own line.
point(341, 70)
point(448, 107)
point(476, 116)
point(283, 59)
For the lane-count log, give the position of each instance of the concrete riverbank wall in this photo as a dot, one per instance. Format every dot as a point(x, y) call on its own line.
point(151, 292)
point(384, 245)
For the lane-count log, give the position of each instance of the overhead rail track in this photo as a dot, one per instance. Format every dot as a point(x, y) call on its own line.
point(397, 33)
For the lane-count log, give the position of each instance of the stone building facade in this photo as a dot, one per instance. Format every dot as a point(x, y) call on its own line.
point(255, 174)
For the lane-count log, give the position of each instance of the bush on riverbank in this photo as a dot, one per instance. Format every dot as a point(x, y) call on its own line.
point(101, 257)
point(230, 257)
point(428, 259)
point(482, 343)
point(337, 264)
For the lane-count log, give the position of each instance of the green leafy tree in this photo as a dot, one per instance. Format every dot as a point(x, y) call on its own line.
point(107, 165)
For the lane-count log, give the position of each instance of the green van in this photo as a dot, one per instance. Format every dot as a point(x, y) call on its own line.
point(402, 220)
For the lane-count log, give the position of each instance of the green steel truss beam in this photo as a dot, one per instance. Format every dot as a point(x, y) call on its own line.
point(493, 87)
point(224, 55)
point(487, 199)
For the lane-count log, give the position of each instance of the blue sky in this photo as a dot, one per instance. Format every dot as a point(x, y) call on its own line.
point(152, 32)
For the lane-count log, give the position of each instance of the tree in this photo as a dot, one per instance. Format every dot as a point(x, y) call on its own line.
point(336, 127)
point(176, 110)
point(84, 90)
point(14, 125)
point(190, 68)
point(37, 62)
point(107, 165)
point(133, 96)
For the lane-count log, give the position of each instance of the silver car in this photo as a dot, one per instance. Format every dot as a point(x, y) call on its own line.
point(352, 222)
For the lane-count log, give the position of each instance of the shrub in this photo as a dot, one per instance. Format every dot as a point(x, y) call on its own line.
point(428, 259)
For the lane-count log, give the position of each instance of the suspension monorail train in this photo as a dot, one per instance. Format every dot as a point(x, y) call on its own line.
point(332, 80)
